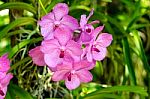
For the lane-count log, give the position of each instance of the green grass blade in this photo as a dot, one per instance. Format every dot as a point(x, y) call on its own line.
point(18, 5)
point(128, 60)
point(134, 89)
point(18, 22)
point(142, 55)
point(16, 48)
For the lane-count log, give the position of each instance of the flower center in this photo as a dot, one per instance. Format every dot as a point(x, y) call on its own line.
point(69, 77)
point(88, 30)
point(56, 23)
point(61, 54)
point(2, 93)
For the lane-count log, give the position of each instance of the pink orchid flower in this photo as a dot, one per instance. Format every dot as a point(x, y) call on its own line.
point(4, 77)
point(60, 49)
point(56, 19)
point(37, 56)
point(4, 63)
point(86, 28)
point(3, 85)
point(97, 50)
point(73, 73)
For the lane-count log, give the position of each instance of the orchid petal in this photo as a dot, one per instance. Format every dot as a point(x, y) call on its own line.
point(64, 66)
point(104, 39)
point(47, 31)
point(59, 75)
point(84, 64)
point(97, 31)
point(74, 48)
point(83, 21)
point(4, 63)
point(63, 35)
point(6, 79)
point(84, 75)
point(50, 16)
point(70, 22)
point(99, 55)
point(60, 10)
point(74, 83)
point(37, 56)
point(48, 46)
point(52, 60)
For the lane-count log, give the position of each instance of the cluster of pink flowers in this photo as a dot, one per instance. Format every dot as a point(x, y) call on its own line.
point(4, 76)
point(70, 57)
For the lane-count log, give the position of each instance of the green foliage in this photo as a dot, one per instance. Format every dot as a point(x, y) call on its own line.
point(125, 72)
point(17, 92)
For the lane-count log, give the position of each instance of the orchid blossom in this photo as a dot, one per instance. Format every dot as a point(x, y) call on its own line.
point(57, 19)
point(86, 28)
point(73, 73)
point(96, 50)
point(4, 77)
point(59, 49)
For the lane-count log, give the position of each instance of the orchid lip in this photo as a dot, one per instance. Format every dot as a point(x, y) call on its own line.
point(61, 54)
point(69, 77)
point(95, 49)
point(88, 30)
point(2, 93)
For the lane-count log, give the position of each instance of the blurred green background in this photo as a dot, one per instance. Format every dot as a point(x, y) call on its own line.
point(124, 73)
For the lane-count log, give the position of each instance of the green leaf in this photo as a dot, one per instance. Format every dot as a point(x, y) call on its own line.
point(15, 92)
point(18, 5)
point(107, 0)
point(18, 22)
point(16, 48)
point(141, 50)
point(103, 96)
point(128, 61)
point(134, 89)
point(18, 32)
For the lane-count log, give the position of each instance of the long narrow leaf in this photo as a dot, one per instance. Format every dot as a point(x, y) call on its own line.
point(18, 22)
point(128, 60)
point(18, 5)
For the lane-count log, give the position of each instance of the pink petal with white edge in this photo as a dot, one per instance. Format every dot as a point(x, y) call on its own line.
point(52, 60)
point(59, 75)
point(84, 76)
point(37, 56)
point(48, 46)
point(63, 35)
point(104, 39)
point(4, 63)
point(74, 83)
point(60, 10)
point(70, 22)
point(99, 55)
point(74, 48)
